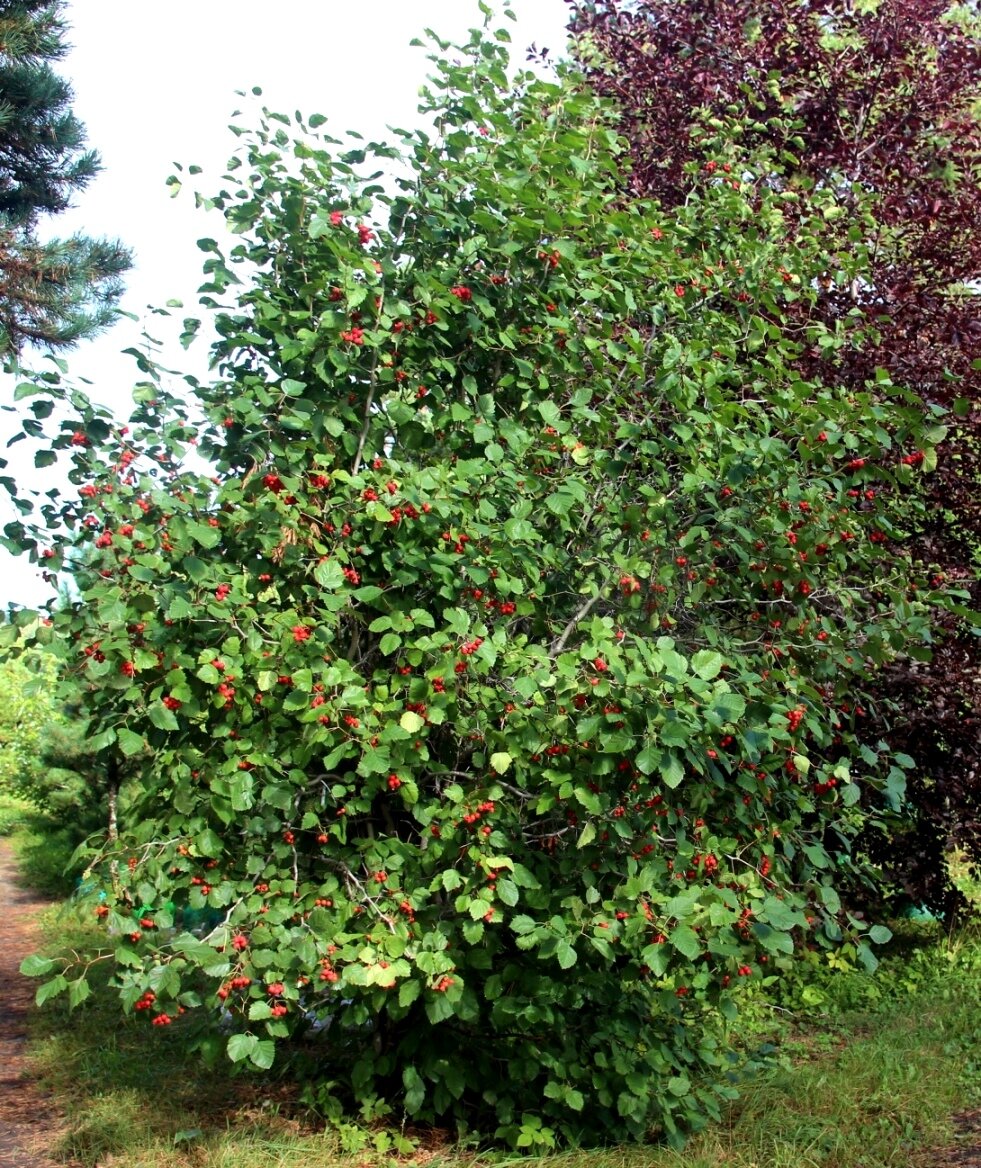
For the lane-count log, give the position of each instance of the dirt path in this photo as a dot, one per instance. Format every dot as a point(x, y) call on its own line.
point(966, 1153)
point(28, 1121)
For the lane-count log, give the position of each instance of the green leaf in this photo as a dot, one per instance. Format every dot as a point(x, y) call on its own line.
point(830, 898)
point(379, 512)
point(263, 1054)
point(879, 934)
point(35, 966)
point(329, 574)
point(587, 835)
point(686, 941)
point(574, 1099)
point(208, 843)
point(408, 992)
point(500, 761)
point(672, 771)
point(507, 892)
point(389, 643)
point(411, 722)
point(772, 940)
point(415, 1089)
point(566, 954)
point(707, 664)
point(729, 707)
point(162, 718)
point(50, 989)
point(78, 991)
point(241, 1046)
point(130, 743)
point(647, 760)
point(205, 535)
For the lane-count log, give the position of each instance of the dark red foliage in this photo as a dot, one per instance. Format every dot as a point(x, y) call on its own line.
point(941, 729)
point(884, 98)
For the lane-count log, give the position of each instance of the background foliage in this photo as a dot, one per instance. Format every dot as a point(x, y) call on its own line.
point(875, 105)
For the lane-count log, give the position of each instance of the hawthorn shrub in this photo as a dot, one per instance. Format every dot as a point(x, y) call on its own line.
point(498, 683)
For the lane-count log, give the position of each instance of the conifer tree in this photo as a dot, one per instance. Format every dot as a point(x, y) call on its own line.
point(54, 292)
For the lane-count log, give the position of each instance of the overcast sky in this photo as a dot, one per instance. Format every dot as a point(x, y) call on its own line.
point(156, 84)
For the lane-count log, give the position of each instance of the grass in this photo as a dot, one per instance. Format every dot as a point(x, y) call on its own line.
point(867, 1080)
point(14, 813)
point(44, 846)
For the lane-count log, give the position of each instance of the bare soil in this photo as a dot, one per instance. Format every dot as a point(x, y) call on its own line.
point(965, 1152)
point(29, 1122)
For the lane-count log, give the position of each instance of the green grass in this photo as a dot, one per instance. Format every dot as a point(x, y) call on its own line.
point(869, 1087)
point(43, 844)
point(14, 813)
point(44, 851)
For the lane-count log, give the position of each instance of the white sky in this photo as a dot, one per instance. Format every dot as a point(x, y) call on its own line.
point(155, 84)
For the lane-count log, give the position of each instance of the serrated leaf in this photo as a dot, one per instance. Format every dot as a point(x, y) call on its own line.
point(50, 989)
point(408, 992)
point(707, 664)
point(647, 761)
point(830, 898)
point(263, 1054)
point(566, 954)
point(500, 761)
point(329, 574)
point(205, 535)
point(672, 771)
point(507, 892)
point(686, 941)
point(415, 1090)
point(241, 1046)
point(129, 743)
point(389, 643)
point(163, 718)
point(78, 991)
point(587, 835)
point(411, 722)
point(35, 966)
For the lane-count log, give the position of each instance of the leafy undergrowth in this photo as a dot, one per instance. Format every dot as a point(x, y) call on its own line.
point(867, 1078)
point(43, 845)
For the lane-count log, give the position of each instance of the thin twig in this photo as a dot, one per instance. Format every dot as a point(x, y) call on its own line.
point(559, 645)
